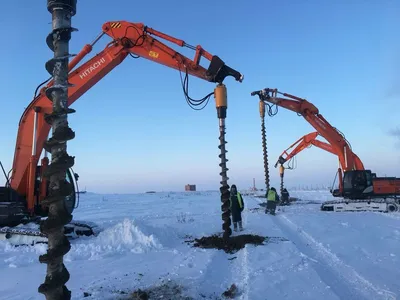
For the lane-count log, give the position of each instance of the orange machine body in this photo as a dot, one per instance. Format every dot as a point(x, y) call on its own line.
point(127, 39)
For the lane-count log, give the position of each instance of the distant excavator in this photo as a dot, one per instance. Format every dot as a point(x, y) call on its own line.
point(23, 196)
point(360, 188)
point(302, 143)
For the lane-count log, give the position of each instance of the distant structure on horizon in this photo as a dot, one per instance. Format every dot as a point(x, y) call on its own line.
point(253, 188)
point(190, 187)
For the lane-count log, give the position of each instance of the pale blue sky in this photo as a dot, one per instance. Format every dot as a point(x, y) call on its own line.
point(134, 130)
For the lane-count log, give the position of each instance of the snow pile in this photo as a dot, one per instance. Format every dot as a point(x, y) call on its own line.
point(123, 237)
point(14, 257)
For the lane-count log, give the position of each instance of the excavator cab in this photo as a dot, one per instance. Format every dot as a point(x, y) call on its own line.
point(357, 184)
point(70, 200)
point(12, 208)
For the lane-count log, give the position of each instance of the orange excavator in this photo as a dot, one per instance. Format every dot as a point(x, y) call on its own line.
point(360, 188)
point(307, 141)
point(302, 143)
point(26, 187)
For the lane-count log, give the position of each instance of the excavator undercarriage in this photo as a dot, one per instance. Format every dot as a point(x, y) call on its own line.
point(378, 205)
point(363, 191)
point(29, 234)
point(19, 227)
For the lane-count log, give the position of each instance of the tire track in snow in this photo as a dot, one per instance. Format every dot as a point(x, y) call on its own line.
point(224, 269)
point(242, 268)
point(343, 280)
point(246, 275)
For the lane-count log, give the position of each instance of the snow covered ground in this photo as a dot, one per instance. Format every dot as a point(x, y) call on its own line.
point(328, 255)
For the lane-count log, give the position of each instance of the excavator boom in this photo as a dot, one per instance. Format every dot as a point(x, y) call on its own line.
point(127, 39)
point(138, 39)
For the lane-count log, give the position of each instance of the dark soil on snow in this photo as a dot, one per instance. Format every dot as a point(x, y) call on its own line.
point(232, 245)
point(173, 291)
point(165, 291)
point(231, 292)
point(256, 209)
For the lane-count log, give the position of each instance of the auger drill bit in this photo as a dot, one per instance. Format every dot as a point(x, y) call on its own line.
point(281, 173)
point(58, 245)
point(220, 95)
point(264, 144)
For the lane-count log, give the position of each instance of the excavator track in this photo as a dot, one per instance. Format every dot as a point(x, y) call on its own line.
point(29, 234)
point(378, 205)
point(19, 228)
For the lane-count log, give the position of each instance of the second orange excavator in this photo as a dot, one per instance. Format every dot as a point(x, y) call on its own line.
point(302, 143)
point(360, 188)
point(307, 141)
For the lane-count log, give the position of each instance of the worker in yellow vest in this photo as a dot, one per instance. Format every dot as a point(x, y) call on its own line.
point(236, 206)
point(272, 199)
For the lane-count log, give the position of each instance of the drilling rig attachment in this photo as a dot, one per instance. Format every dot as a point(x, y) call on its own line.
point(57, 274)
point(220, 95)
point(281, 175)
point(264, 145)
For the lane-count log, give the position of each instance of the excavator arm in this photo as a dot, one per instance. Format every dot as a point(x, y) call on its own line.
point(307, 141)
point(302, 143)
point(311, 114)
point(134, 39)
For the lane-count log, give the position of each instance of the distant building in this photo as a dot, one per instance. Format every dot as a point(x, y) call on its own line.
point(190, 187)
